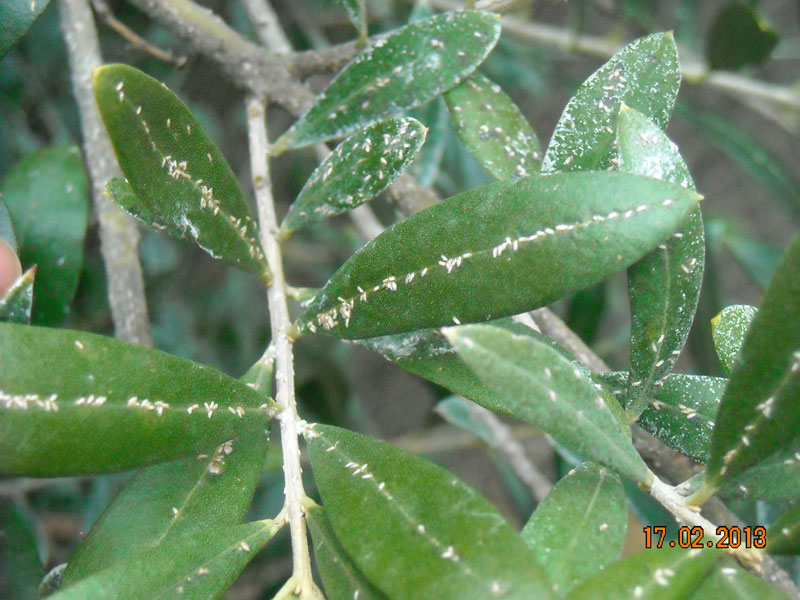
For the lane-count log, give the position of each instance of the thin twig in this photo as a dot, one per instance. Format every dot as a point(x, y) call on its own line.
point(267, 26)
point(119, 236)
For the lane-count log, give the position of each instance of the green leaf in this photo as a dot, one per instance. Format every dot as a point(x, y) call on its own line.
point(729, 580)
point(47, 196)
point(738, 37)
point(75, 403)
point(496, 251)
point(683, 412)
point(664, 286)
point(21, 569)
point(191, 565)
point(760, 410)
point(757, 259)
point(664, 574)
point(774, 479)
point(456, 410)
point(783, 537)
point(179, 180)
point(16, 17)
point(645, 75)
point(165, 501)
point(536, 384)
point(729, 328)
point(580, 527)
point(493, 128)
point(357, 13)
point(359, 169)
point(15, 306)
point(6, 228)
point(340, 575)
point(414, 529)
point(412, 65)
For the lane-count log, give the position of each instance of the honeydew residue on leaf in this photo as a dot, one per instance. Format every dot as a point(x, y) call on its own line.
point(729, 328)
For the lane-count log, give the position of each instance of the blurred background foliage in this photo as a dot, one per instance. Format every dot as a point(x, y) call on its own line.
point(742, 152)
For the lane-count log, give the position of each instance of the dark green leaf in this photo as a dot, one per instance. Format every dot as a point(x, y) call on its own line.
point(16, 17)
point(340, 575)
point(21, 569)
point(412, 65)
point(580, 527)
point(783, 537)
point(75, 402)
point(414, 529)
point(359, 169)
point(534, 383)
point(665, 574)
point(774, 479)
point(15, 306)
point(179, 180)
point(729, 328)
point(46, 194)
point(665, 285)
point(730, 581)
point(191, 566)
point(493, 128)
point(760, 410)
point(426, 166)
point(645, 75)
point(738, 37)
point(496, 251)
point(757, 259)
point(6, 228)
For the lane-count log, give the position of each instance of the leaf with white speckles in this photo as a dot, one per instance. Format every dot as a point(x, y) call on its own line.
point(341, 577)
point(498, 250)
point(783, 537)
point(493, 128)
point(664, 286)
point(774, 479)
point(580, 526)
point(729, 328)
point(760, 411)
point(645, 75)
point(47, 198)
point(15, 306)
point(359, 169)
point(179, 180)
point(190, 565)
point(413, 528)
point(16, 17)
point(536, 384)
point(663, 574)
point(730, 581)
point(77, 403)
point(412, 65)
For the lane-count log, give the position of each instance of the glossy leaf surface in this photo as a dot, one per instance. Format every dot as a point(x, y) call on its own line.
point(407, 68)
point(729, 580)
point(783, 537)
point(498, 250)
point(16, 17)
point(47, 197)
point(645, 75)
point(359, 169)
point(179, 180)
point(21, 569)
point(414, 529)
point(536, 384)
point(16, 305)
point(729, 328)
point(580, 526)
point(75, 402)
point(493, 128)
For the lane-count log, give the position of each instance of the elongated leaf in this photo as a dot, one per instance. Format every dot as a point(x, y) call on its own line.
point(493, 128)
point(16, 17)
point(683, 412)
point(357, 13)
point(774, 479)
point(580, 527)
point(496, 251)
point(162, 502)
point(6, 228)
point(191, 566)
point(665, 574)
point(21, 569)
point(738, 37)
point(360, 168)
point(75, 402)
point(664, 286)
point(729, 328)
point(729, 580)
point(427, 165)
point(341, 577)
point(414, 529)
point(179, 180)
point(757, 259)
point(456, 410)
point(760, 410)
point(16, 305)
point(409, 67)
point(784, 535)
point(47, 197)
point(645, 75)
point(536, 384)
